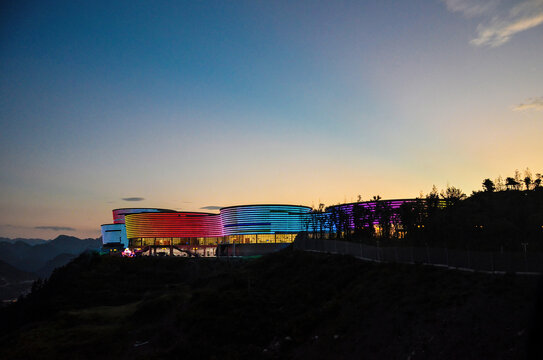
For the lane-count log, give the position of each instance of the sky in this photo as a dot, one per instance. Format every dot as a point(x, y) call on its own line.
point(193, 105)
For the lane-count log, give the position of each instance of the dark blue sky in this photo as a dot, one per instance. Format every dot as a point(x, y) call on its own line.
point(190, 104)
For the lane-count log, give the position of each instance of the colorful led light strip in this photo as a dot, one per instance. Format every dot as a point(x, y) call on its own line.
point(239, 220)
point(119, 214)
point(393, 205)
point(263, 219)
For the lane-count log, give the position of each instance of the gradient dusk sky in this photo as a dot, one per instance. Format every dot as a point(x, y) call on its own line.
point(193, 104)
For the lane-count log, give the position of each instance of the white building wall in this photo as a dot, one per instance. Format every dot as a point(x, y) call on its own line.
point(114, 233)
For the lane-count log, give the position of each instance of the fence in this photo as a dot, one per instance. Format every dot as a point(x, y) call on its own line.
point(492, 262)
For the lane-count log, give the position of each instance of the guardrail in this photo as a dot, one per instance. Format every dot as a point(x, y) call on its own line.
point(489, 262)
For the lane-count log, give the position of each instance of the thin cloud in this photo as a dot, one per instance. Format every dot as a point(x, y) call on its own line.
point(54, 228)
point(470, 8)
point(212, 207)
point(501, 24)
point(133, 199)
point(9, 226)
point(531, 104)
point(498, 32)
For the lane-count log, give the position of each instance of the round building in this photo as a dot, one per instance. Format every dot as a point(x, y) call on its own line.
point(253, 224)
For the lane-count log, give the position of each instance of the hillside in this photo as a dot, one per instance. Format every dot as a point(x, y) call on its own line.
point(14, 282)
point(58, 261)
point(286, 305)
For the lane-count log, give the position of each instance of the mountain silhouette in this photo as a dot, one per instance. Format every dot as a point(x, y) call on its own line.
point(28, 241)
point(32, 258)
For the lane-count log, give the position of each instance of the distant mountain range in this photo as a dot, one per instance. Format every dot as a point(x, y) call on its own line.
point(27, 241)
point(24, 260)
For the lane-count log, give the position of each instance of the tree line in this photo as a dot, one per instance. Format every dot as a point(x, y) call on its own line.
point(506, 215)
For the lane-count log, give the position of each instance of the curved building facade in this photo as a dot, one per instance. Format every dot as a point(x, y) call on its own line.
point(110, 231)
point(173, 228)
point(149, 229)
point(382, 215)
point(119, 214)
point(163, 230)
point(262, 223)
point(370, 210)
point(373, 209)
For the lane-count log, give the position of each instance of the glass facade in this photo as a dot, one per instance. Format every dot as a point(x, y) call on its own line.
point(141, 242)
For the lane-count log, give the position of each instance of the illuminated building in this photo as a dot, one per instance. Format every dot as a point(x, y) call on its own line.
point(374, 209)
point(252, 224)
point(174, 232)
point(113, 234)
point(347, 217)
point(119, 214)
point(169, 232)
point(369, 211)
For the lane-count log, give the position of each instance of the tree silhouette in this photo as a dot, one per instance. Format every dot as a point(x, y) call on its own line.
point(527, 182)
point(492, 219)
point(383, 212)
point(511, 183)
point(528, 178)
point(335, 221)
point(358, 218)
point(488, 185)
point(367, 217)
point(518, 179)
point(411, 216)
point(537, 181)
point(452, 195)
point(500, 186)
point(318, 221)
point(432, 198)
point(345, 222)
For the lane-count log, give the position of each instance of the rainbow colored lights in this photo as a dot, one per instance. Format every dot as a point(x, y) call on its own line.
point(243, 223)
point(119, 214)
point(143, 224)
